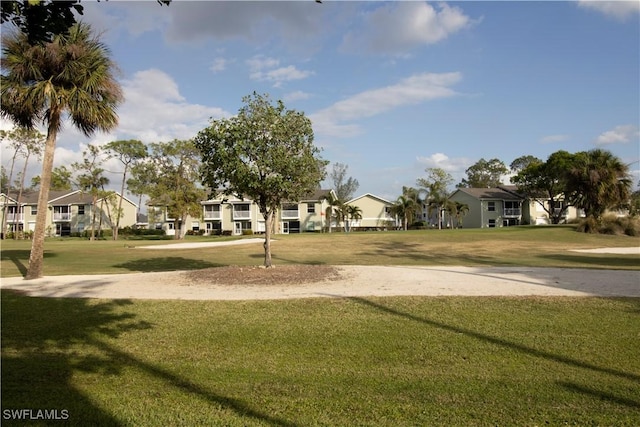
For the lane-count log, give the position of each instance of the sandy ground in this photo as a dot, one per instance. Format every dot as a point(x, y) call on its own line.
point(354, 281)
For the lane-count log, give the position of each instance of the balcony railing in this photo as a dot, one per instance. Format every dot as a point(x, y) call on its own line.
point(212, 215)
point(241, 214)
point(13, 217)
point(58, 216)
point(290, 214)
point(512, 212)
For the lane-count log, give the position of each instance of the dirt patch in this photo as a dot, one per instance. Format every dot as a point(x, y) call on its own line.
point(251, 275)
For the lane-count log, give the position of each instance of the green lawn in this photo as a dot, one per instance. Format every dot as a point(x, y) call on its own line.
point(520, 246)
point(335, 362)
point(402, 361)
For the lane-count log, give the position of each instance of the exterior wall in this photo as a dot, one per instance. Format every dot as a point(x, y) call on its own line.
point(296, 217)
point(72, 220)
point(375, 212)
point(227, 216)
point(474, 217)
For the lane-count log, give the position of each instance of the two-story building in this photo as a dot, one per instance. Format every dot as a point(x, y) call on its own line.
point(69, 211)
point(234, 215)
point(503, 206)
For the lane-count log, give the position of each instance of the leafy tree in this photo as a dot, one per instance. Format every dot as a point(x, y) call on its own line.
point(546, 183)
point(91, 178)
point(4, 180)
point(634, 204)
point(265, 153)
point(129, 153)
point(344, 187)
point(141, 181)
point(42, 83)
point(484, 174)
point(523, 162)
point(26, 143)
point(600, 181)
point(60, 179)
point(171, 178)
point(436, 185)
point(41, 20)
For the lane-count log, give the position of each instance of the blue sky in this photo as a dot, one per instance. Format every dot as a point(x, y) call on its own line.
point(392, 88)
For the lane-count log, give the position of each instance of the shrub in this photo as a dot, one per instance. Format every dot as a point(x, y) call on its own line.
point(611, 224)
point(247, 232)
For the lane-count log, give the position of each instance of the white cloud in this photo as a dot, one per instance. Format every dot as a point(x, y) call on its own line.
point(399, 26)
point(220, 64)
point(296, 96)
point(410, 91)
point(264, 69)
point(550, 139)
point(259, 21)
point(619, 134)
point(154, 110)
point(453, 165)
point(620, 10)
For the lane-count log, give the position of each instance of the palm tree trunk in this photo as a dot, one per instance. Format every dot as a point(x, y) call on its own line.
point(36, 257)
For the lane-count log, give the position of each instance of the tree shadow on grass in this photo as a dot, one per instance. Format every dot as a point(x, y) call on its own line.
point(38, 361)
point(610, 397)
point(166, 264)
point(583, 261)
point(499, 341)
point(46, 342)
point(20, 257)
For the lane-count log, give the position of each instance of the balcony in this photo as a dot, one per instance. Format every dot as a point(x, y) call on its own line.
point(512, 212)
point(212, 215)
point(290, 214)
point(15, 217)
point(241, 214)
point(61, 216)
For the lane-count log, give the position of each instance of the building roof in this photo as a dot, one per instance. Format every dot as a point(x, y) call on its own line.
point(491, 193)
point(58, 197)
point(372, 196)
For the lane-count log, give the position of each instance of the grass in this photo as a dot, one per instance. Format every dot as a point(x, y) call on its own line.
point(518, 246)
point(353, 361)
point(400, 361)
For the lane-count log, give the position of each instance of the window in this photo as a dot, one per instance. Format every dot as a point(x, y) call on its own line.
point(195, 226)
point(491, 206)
point(80, 209)
point(492, 223)
point(311, 208)
point(34, 210)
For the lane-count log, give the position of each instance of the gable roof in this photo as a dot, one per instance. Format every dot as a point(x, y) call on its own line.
point(490, 193)
point(58, 197)
point(318, 194)
point(372, 196)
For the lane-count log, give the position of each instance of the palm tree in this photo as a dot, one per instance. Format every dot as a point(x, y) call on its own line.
point(334, 209)
point(73, 74)
point(600, 181)
point(353, 213)
point(407, 205)
point(456, 210)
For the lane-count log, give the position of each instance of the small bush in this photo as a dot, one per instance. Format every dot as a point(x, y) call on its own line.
point(247, 232)
point(611, 224)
